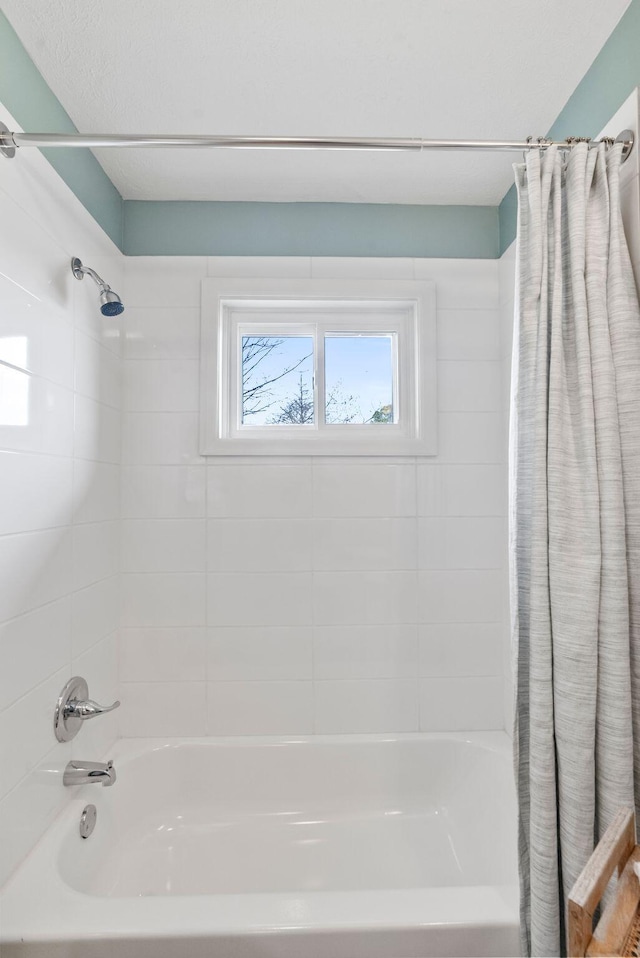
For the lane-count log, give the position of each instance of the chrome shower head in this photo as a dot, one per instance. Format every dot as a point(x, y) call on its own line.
point(110, 302)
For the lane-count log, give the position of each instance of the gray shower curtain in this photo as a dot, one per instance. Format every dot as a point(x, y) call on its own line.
point(574, 525)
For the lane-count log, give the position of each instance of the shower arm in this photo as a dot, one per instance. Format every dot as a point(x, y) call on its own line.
point(79, 271)
point(10, 141)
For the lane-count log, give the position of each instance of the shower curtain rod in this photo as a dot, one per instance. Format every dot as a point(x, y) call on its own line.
point(9, 142)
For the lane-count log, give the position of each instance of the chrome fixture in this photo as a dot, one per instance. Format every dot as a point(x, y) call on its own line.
point(6, 147)
point(87, 820)
point(110, 302)
point(10, 141)
point(74, 707)
point(87, 773)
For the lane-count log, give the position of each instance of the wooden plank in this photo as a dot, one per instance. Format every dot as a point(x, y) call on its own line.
point(613, 927)
point(579, 931)
point(613, 851)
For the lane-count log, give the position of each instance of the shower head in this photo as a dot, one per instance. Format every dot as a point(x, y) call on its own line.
point(110, 302)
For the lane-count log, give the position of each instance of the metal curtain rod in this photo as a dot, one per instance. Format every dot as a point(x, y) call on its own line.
point(9, 142)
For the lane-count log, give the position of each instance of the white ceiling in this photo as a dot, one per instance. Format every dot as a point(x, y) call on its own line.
point(471, 69)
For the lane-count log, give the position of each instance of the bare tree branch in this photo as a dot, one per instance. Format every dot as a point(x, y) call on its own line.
point(257, 397)
point(297, 410)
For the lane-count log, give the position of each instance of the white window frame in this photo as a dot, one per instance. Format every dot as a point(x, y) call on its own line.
point(404, 308)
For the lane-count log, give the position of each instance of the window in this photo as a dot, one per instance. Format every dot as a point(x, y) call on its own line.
point(318, 367)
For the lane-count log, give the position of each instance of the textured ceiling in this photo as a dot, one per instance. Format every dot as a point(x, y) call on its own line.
point(474, 69)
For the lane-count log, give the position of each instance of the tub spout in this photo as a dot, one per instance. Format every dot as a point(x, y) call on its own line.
point(84, 773)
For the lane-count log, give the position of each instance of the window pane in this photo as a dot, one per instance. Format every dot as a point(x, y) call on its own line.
point(277, 380)
point(359, 379)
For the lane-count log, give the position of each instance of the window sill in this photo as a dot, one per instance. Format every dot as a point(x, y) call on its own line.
point(321, 447)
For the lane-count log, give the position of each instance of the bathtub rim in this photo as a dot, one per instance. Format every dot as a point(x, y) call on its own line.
point(492, 740)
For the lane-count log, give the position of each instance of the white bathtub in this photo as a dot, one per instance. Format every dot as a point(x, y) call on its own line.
point(343, 846)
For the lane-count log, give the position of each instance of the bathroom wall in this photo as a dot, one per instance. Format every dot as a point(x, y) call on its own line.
point(59, 492)
point(300, 595)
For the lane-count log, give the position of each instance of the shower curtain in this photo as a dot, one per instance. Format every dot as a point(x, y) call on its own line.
point(574, 525)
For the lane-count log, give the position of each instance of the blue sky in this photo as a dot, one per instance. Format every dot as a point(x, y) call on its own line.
point(360, 365)
point(355, 365)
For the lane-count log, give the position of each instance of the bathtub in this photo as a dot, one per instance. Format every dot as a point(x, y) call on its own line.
point(394, 846)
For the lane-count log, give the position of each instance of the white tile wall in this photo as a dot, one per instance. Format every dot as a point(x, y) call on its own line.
point(163, 492)
point(259, 545)
point(367, 705)
point(460, 649)
point(159, 438)
point(166, 385)
point(364, 489)
point(59, 492)
point(163, 545)
point(365, 651)
point(164, 599)
point(270, 708)
point(259, 598)
point(448, 704)
point(334, 587)
point(162, 333)
point(276, 653)
point(163, 655)
point(263, 491)
point(163, 708)
point(368, 545)
point(354, 598)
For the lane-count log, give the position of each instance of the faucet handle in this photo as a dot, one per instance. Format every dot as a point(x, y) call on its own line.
point(88, 709)
point(74, 707)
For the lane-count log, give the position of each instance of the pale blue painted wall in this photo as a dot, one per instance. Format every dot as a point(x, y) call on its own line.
point(309, 229)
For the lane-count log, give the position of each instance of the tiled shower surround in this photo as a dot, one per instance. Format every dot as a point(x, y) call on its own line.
point(60, 391)
point(226, 596)
point(309, 594)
